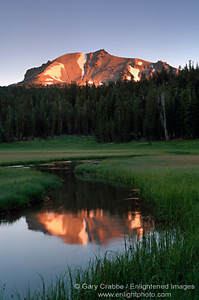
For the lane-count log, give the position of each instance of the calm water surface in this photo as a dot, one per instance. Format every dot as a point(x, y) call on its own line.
point(72, 226)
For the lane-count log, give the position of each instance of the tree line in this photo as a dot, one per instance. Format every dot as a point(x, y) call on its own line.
point(165, 106)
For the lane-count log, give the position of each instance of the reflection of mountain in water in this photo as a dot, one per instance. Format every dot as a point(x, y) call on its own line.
point(93, 226)
point(89, 212)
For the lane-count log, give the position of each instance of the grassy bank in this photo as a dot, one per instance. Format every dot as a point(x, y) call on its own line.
point(172, 261)
point(169, 183)
point(20, 188)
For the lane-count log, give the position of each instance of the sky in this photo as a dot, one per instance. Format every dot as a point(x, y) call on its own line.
point(35, 31)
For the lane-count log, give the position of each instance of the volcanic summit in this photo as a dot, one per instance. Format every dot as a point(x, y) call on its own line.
point(97, 68)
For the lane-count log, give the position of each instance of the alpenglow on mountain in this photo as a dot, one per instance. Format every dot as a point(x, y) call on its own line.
point(95, 67)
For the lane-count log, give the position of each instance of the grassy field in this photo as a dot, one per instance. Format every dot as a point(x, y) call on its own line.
point(20, 188)
point(83, 147)
point(167, 176)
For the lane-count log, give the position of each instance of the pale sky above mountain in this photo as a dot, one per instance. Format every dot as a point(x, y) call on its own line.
point(32, 32)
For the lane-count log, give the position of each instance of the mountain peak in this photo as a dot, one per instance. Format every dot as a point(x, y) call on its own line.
point(103, 51)
point(92, 68)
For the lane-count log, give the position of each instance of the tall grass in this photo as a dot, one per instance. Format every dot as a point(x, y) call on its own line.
point(20, 188)
point(167, 182)
point(167, 262)
point(170, 183)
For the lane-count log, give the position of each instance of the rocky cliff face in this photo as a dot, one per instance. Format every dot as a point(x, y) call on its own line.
point(95, 67)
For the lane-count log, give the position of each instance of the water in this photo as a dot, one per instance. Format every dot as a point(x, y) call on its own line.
point(80, 221)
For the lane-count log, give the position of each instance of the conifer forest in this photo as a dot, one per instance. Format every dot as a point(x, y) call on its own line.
point(163, 107)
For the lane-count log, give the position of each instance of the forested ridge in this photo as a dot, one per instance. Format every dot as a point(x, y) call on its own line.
point(165, 106)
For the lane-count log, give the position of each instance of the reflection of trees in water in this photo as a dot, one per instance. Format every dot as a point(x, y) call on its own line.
point(80, 194)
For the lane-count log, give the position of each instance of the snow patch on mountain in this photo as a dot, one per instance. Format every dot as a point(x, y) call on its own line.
point(54, 71)
point(81, 62)
point(134, 72)
point(48, 81)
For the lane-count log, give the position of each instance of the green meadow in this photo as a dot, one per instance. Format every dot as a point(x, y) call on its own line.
point(166, 175)
point(73, 147)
